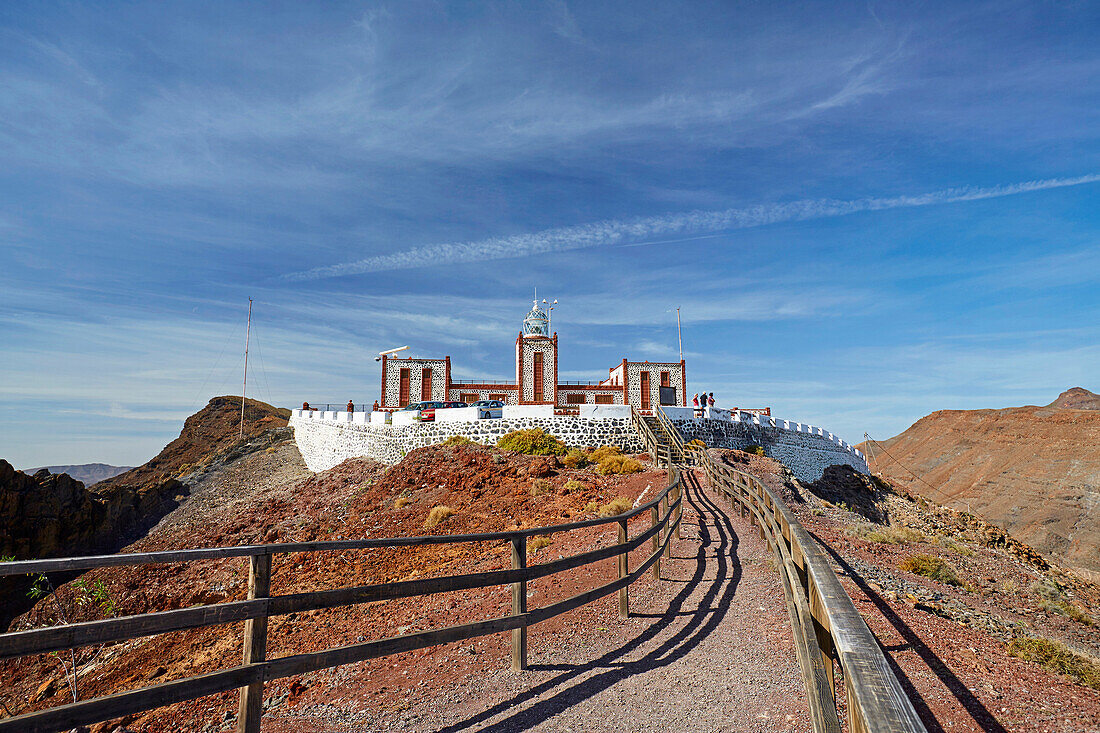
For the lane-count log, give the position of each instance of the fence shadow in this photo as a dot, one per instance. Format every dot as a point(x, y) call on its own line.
point(973, 706)
point(711, 610)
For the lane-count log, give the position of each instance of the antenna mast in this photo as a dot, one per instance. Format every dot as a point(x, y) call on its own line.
point(244, 386)
point(679, 337)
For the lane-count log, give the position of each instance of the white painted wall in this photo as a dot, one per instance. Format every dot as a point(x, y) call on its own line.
point(600, 411)
point(514, 411)
point(456, 414)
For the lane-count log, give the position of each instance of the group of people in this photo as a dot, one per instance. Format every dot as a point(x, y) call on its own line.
point(701, 402)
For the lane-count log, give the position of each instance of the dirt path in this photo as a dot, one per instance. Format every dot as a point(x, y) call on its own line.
point(707, 649)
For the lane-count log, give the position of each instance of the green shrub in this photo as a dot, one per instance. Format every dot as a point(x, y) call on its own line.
point(616, 506)
point(619, 464)
point(591, 507)
point(1057, 657)
point(576, 458)
point(604, 452)
point(572, 485)
point(756, 450)
point(932, 567)
point(533, 442)
point(457, 440)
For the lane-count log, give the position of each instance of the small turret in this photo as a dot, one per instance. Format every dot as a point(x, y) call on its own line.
point(536, 323)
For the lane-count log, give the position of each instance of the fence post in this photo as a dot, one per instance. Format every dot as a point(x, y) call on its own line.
point(255, 645)
point(679, 505)
point(666, 502)
point(519, 604)
point(624, 593)
point(655, 517)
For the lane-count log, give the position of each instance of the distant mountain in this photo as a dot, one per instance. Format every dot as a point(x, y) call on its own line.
point(1035, 471)
point(85, 473)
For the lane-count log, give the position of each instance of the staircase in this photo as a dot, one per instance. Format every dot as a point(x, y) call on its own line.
point(662, 439)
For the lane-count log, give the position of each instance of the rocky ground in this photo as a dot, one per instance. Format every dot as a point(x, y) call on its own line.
point(950, 643)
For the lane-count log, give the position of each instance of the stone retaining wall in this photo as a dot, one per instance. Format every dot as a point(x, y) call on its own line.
point(326, 441)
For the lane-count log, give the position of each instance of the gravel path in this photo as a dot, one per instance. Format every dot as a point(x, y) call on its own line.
point(707, 649)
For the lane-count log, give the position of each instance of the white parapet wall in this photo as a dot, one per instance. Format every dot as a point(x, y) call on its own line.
point(325, 443)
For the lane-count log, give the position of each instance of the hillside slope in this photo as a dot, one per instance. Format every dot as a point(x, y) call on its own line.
point(1035, 471)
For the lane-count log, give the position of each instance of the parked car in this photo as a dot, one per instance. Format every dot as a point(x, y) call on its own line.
point(488, 409)
point(455, 404)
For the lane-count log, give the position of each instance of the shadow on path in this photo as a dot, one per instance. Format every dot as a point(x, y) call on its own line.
point(978, 711)
point(712, 609)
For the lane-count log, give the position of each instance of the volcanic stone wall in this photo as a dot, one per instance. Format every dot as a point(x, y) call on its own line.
point(325, 443)
point(804, 449)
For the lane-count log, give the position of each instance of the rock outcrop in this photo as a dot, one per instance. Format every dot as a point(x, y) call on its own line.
point(1033, 471)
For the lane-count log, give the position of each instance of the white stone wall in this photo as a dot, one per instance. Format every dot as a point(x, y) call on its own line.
point(326, 443)
point(805, 449)
point(415, 367)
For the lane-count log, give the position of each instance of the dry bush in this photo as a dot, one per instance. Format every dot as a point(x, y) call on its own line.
point(888, 535)
point(269, 449)
point(533, 442)
point(604, 452)
point(401, 501)
point(616, 506)
point(619, 464)
point(933, 568)
point(591, 507)
point(541, 486)
point(457, 440)
point(539, 541)
point(572, 485)
point(949, 544)
point(576, 458)
point(437, 516)
point(1057, 657)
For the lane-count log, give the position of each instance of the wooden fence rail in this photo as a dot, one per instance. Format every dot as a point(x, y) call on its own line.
point(664, 512)
point(827, 627)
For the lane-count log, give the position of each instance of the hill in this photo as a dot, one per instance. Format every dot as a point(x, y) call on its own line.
point(85, 473)
point(1034, 471)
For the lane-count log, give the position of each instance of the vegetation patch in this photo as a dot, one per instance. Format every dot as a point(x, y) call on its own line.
point(1057, 657)
point(949, 544)
point(888, 535)
point(539, 541)
point(458, 440)
point(576, 458)
point(756, 450)
point(572, 485)
point(616, 506)
point(1053, 600)
point(541, 486)
point(533, 442)
point(401, 501)
point(618, 464)
point(933, 568)
point(437, 516)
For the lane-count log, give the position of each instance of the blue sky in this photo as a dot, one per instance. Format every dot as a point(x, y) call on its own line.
point(866, 211)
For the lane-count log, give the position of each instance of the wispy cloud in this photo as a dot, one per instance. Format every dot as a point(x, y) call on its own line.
point(639, 230)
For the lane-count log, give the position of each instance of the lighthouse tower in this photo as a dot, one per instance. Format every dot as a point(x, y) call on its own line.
point(536, 359)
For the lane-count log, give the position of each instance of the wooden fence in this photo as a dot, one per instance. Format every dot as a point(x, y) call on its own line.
point(827, 627)
point(664, 512)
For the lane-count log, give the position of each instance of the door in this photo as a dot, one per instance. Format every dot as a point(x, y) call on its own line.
point(426, 384)
point(403, 390)
point(538, 377)
point(645, 390)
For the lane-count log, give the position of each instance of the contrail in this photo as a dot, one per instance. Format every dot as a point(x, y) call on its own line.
point(637, 231)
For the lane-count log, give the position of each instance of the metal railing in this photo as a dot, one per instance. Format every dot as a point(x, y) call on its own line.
point(664, 512)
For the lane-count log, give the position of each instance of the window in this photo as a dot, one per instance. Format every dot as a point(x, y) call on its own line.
point(403, 390)
point(501, 397)
point(426, 383)
point(664, 379)
point(645, 391)
point(574, 398)
point(605, 399)
point(538, 376)
point(468, 397)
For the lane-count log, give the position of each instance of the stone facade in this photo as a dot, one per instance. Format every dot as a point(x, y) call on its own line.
point(391, 379)
point(327, 441)
point(805, 449)
point(634, 370)
point(528, 346)
point(506, 393)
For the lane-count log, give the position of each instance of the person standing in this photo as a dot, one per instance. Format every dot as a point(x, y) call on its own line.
point(710, 401)
point(695, 404)
point(351, 406)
